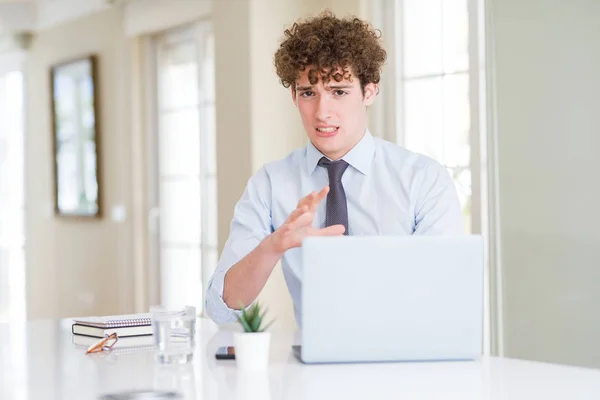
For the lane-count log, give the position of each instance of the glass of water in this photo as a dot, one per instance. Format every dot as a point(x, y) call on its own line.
point(174, 332)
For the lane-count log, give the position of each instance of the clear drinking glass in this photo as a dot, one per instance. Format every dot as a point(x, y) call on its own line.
point(174, 332)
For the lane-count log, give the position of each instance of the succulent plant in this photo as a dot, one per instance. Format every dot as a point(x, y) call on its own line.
point(251, 319)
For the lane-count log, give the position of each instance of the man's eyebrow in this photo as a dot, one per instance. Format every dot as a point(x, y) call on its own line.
point(328, 87)
point(341, 86)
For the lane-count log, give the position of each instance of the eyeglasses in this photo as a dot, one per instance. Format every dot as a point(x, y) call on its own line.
point(105, 344)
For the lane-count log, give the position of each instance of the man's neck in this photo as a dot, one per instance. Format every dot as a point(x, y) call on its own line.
point(339, 154)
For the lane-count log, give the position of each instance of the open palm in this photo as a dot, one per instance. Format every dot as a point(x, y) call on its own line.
point(299, 223)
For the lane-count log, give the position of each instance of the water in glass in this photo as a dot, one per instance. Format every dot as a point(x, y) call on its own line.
point(174, 333)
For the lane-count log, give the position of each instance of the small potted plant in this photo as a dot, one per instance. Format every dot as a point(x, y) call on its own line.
point(252, 345)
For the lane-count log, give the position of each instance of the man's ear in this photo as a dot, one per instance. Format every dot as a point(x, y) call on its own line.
point(371, 90)
point(293, 90)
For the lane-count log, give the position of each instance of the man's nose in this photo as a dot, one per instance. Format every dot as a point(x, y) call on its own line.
point(323, 108)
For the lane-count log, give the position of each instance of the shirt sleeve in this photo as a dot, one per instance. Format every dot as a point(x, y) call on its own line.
point(438, 211)
point(251, 223)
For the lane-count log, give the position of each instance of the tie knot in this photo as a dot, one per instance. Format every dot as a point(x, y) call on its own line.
point(334, 168)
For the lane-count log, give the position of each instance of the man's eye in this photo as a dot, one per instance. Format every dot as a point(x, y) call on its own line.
point(340, 92)
point(308, 93)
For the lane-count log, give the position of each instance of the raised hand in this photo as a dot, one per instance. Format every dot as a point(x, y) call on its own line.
point(299, 224)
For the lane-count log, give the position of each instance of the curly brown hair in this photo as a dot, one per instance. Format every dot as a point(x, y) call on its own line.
point(327, 43)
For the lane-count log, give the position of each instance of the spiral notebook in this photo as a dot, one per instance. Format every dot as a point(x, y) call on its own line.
point(123, 325)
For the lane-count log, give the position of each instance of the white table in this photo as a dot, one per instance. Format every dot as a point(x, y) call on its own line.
point(39, 361)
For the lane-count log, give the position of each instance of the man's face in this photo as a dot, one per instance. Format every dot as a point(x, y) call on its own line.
point(334, 115)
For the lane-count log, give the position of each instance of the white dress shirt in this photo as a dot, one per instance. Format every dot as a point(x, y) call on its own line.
point(389, 191)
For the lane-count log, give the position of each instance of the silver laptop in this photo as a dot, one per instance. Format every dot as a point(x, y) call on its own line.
point(377, 298)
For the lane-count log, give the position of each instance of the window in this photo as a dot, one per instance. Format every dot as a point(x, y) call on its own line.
point(432, 93)
point(435, 81)
point(431, 54)
point(186, 170)
point(12, 231)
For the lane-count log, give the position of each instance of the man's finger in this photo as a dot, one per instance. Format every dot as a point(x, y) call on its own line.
point(307, 200)
point(303, 220)
point(317, 198)
point(321, 195)
point(296, 213)
point(333, 230)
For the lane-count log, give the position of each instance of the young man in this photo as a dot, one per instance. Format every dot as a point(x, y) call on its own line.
point(345, 181)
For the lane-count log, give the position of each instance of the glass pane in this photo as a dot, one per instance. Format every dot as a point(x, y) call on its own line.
point(211, 211)
point(16, 178)
point(462, 181)
point(12, 261)
point(4, 293)
point(422, 21)
point(210, 152)
point(16, 282)
point(181, 281)
point(14, 103)
point(179, 76)
point(12, 228)
point(179, 143)
point(423, 117)
point(457, 120)
point(208, 69)
point(455, 35)
point(180, 211)
point(11, 144)
point(6, 191)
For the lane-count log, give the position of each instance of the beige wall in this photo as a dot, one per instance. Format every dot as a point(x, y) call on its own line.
point(78, 267)
point(233, 110)
point(151, 16)
point(548, 59)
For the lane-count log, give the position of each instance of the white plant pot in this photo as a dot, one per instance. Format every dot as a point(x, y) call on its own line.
point(252, 350)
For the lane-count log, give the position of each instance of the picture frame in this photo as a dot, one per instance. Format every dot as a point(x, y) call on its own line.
point(75, 138)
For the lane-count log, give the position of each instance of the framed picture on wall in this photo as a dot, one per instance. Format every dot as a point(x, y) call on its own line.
point(75, 131)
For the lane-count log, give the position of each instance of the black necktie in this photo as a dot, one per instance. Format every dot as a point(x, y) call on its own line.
point(336, 208)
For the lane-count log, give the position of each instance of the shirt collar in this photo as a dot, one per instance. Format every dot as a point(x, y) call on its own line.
point(359, 157)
